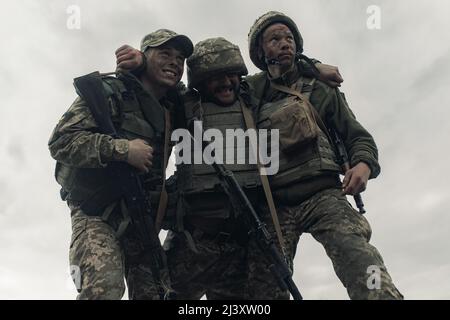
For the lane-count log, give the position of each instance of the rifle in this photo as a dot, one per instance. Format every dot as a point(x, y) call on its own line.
point(344, 163)
point(127, 182)
point(239, 199)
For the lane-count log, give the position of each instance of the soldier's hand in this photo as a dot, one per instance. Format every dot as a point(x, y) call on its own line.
point(355, 180)
point(330, 75)
point(140, 155)
point(128, 58)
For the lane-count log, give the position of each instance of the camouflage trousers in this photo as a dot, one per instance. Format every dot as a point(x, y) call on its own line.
point(230, 271)
point(100, 262)
point(344, 233)
point(218, 269)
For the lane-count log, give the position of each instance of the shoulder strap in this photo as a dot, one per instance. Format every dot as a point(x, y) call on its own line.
point(90, 88)
point(265, 181)
point(297, 93)
point(308, 84)
point(162, 206)
point(192, 107)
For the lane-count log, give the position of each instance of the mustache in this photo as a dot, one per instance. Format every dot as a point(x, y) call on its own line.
point(234, 87)
point(221, 88)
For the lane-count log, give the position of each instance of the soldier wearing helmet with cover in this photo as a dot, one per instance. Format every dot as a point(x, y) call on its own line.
point(307, 189)
point(209, 251)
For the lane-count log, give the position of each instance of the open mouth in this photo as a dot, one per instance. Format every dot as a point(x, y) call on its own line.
point(224, 90)
point(170, 73)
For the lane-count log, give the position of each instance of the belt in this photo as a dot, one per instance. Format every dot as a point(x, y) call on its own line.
point(298, 192)
point(218, 231)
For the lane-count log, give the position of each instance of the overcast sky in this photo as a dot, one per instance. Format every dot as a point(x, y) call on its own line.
point(396, 82)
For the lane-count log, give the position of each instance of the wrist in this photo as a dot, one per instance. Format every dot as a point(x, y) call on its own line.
point(120, 150)
point(141, 68)
point(365, 166)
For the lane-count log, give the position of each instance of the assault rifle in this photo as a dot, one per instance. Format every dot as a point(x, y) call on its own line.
point(277, 262)
point(344, 163)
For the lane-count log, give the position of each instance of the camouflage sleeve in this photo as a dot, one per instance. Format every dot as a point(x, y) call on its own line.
point(334, 110)
point(76, 142)
point(360, 145)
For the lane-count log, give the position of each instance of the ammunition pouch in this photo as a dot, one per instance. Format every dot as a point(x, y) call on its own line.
point(296, 124)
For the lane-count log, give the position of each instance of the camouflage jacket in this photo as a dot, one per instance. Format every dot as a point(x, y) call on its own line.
point(76, 141)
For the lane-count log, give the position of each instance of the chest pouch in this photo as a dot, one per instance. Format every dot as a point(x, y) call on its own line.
point(296, 124)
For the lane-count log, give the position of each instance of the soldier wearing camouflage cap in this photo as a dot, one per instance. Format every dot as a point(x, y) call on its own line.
point(307, 186)
point(104, 249)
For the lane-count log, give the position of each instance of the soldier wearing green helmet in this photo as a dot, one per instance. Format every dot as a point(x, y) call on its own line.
point(307, 188)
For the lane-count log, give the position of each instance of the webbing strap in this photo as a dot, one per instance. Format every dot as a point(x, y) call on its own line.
point(162, 206)
point(262, 173)
point(297, 93)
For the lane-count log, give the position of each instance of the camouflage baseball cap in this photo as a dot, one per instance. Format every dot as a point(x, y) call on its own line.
point(211, 57)
point(260, 25)
point(161, 36)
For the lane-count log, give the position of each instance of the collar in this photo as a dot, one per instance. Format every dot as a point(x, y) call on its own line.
point(287, 78)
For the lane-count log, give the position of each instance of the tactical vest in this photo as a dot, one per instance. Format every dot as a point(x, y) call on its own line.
point(81, 184)
point(317, 156)
point(198, 182)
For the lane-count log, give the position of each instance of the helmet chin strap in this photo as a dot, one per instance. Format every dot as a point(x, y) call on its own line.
point(275, 61)
point(272, 61)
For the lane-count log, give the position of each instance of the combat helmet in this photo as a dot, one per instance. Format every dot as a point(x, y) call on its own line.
point(260, 25)
point(213, 56)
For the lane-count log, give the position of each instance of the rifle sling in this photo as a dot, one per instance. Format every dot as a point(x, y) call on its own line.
point(250, 124)
point(163, 199)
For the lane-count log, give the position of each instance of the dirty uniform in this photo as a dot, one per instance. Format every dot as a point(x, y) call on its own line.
point(307, 189)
